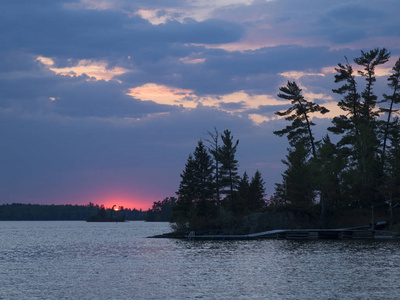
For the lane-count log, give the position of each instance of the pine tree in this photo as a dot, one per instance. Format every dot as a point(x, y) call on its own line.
point(203, 179)
point(196, 189)
point(394, 98)
point(359, 127)
point(327, 171)
point(214, 150)
point(300, 116)
point(240, 205)
point(186, 193)
point(392, 182)
point(370, 60)
point(297, 187)
point(229, 166)
point(244, 187)
point(256, 192)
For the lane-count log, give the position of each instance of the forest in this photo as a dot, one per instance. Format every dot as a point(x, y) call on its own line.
point(359, 171)
point(36, 212)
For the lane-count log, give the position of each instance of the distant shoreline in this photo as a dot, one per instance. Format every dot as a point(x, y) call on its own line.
point(67, 212)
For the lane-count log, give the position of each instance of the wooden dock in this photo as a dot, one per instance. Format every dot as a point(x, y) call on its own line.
point(305, 234)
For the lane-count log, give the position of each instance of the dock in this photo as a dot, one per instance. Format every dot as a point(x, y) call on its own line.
point(359, 233)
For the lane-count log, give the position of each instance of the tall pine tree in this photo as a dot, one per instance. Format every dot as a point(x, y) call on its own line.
point(359, 127)
point(300, 115)
point(229, 167)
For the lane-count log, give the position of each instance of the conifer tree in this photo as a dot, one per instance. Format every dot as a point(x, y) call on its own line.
point(297, 187)
point(256, 192)
point(327, 170)
point(244, 186)
point(203, 178)
point(244, 192)
point(196, 189)
point(394, 98)
point(300, 116)
point(359, 127)
point(214, 150)
point(186, 193)
point(392, 184)
point(229, 165)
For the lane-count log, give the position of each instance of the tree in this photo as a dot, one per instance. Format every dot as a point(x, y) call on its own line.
point(370, 60)
point(394, 98)
point(203, 175)
point(186, 193)
point(196, 189)
point(327, 170)
point(392, 183)
point(359, 126)
point(300, 116)
point(229, 165)
point(297, 187)
point(244, 187)
point(256, 193)
point(214, 150)
point(161, 211)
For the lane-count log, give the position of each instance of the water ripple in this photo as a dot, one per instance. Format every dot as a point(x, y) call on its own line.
point(78, 260)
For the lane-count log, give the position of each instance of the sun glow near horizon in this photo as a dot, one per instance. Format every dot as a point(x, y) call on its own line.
point(118, 202)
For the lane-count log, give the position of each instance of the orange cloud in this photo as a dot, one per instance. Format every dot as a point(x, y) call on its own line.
point(94, 69)
point(163, 94)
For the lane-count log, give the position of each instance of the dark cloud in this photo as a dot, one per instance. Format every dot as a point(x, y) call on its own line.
point(99, 34)
point(356, 13)
point(357, 20)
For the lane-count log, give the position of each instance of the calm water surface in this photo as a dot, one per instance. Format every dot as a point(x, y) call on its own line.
point(79, 260)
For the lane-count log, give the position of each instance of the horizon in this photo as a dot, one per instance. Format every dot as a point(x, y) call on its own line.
point(108, 206)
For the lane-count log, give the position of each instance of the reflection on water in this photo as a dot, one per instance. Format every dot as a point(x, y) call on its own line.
point(79, 260)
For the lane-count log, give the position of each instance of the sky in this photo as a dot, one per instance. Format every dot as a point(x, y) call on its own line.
point(103, 100)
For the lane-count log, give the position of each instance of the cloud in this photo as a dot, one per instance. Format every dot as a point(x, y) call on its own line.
point(96, 70)
point(97, 34)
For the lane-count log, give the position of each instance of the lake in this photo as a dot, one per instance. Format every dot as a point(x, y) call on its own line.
point(80, 260)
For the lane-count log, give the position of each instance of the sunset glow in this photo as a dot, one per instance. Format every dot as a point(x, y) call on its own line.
point(126, 201)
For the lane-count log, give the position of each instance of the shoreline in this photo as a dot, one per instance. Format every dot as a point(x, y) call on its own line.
point(292, 234)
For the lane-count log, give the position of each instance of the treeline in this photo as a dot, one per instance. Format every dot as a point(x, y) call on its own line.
point(360, 170)
point(161, 211)
point(211, 193)
point(35, 212)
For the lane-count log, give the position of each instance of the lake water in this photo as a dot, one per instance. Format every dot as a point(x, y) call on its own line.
point(79, 260)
